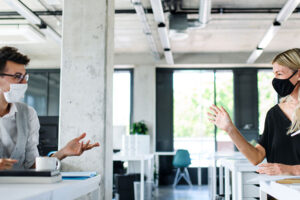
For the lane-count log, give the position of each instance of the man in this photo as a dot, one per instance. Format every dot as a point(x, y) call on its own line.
point(19, 124)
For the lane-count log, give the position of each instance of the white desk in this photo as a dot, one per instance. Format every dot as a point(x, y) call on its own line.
point(67, 189)
point(203, 161)
point(212, 173)
point(279, 191)
point(245, 183)
point(142, 159)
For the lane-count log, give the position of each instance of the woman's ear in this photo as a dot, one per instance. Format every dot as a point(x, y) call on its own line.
point(298, 73)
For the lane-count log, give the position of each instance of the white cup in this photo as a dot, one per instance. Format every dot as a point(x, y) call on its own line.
point(47, 163)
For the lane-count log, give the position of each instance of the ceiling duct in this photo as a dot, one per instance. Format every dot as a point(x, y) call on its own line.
point(204, 12)
point(178, 24)
point(179, 21)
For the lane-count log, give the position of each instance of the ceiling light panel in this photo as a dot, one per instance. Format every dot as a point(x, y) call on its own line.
point(20, 34)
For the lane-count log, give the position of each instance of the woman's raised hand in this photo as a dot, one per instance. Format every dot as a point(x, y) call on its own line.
point(220, 118)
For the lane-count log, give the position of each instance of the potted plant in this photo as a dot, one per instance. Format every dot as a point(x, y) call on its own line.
point(139, 128)
point(138, 142)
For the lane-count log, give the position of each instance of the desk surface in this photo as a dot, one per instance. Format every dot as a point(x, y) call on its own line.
point(238, 164)
point(214, 155)
point(121, 157)
point(281, 191)
point(67, 189)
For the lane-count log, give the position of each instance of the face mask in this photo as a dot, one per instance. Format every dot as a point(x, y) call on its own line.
point(283, 86)
point(16, 93)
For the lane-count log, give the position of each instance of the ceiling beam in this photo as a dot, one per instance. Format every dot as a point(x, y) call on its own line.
point(149, 11)
point(38, 13)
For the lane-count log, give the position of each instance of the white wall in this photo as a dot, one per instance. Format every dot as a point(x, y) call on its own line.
point(144, 99)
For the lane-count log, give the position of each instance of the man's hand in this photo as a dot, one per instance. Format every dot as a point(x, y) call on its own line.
point(75, 147)
point(6, 163)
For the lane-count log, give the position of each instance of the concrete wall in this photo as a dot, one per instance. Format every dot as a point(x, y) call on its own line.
point(86, 85)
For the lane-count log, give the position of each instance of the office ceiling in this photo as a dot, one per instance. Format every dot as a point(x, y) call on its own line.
point(235, 27)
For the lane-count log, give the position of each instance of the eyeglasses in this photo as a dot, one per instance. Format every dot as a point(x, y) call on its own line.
point(20, 77)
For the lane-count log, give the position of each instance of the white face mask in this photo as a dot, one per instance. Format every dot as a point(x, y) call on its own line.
point(16, 93)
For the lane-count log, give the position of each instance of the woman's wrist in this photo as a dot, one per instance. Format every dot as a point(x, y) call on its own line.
point(294, 170)
point(230, 128)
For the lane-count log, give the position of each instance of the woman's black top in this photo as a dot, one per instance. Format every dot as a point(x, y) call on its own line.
point(280, 147)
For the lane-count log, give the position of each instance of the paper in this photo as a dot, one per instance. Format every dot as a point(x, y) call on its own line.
point(289, 181)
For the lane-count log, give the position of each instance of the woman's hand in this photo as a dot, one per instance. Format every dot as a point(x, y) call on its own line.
point(275, 169)
point(6, 163)
point(220, 118)
point(75, 147)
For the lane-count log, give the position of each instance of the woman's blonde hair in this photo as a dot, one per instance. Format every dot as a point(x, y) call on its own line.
point(291, 59)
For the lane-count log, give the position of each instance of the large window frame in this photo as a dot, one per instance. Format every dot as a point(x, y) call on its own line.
point(215, 71)
point(48, 72)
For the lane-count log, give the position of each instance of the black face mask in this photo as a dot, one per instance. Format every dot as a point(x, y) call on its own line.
point(283, 86)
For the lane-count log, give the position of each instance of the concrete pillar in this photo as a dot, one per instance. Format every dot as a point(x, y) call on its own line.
point(86, 85)
point(144, 99)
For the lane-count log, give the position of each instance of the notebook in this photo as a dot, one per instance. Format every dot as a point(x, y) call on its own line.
point(28, 172)
point(30, 179)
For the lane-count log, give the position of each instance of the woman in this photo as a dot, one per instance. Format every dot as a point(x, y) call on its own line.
point(279, 143)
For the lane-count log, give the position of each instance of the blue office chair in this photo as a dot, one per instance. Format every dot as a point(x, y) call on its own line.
point(181, 161)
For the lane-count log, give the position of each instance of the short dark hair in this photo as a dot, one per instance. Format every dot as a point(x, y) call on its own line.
point(11, 54)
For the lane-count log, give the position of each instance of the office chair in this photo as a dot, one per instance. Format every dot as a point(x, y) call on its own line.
point(181, 161)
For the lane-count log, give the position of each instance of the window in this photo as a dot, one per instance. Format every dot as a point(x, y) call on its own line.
point(43, 92)
point(224, 97)
point(194, 90)
point(193, 93)
point(267, 96)
point(122, 81)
